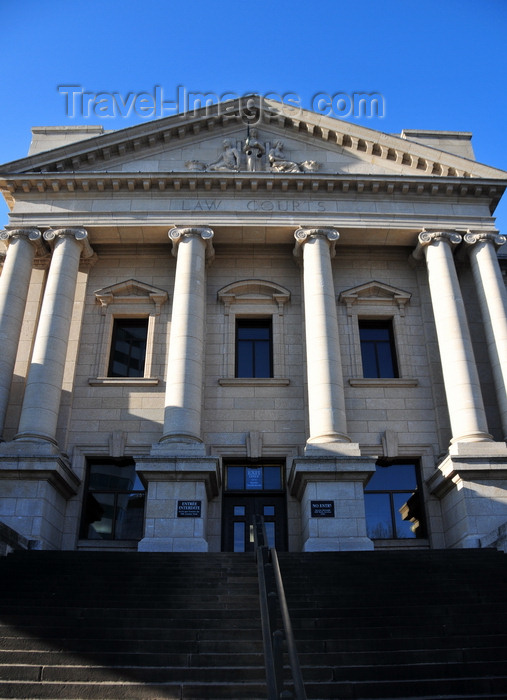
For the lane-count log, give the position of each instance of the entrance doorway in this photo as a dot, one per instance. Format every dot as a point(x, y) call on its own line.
point(251, 490)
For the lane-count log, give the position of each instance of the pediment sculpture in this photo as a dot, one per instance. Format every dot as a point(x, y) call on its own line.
point(230, 160)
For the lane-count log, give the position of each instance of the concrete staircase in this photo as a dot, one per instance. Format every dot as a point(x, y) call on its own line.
point(97, 625)
point(129, 625)
point(400, 624)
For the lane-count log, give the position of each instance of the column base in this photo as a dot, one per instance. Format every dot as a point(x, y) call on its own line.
point(179, 449)
point(333, 448)
point(471, 483)
point(331, 491)
point(179, 488)
point(36, 482)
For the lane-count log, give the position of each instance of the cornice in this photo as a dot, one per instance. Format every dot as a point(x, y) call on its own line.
point(269, 183)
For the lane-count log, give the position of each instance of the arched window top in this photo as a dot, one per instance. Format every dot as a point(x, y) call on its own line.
point(253, 291)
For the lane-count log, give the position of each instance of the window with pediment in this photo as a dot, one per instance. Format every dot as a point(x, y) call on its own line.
point(254, 332)
point(377, 334)
point(129, 312)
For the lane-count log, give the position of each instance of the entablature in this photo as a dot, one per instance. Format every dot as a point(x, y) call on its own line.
point(66, 184)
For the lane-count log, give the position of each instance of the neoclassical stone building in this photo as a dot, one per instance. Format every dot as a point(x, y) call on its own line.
point(202, 319)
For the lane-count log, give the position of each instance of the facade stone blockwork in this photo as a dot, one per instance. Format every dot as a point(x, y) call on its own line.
point(191, 335)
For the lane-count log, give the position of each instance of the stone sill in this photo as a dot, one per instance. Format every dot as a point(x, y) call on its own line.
point(260, 381)
point(123, 381)
point(404, 544)
point(374, 381)
point(100, 545)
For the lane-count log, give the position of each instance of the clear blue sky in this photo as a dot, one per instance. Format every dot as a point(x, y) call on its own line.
point(439, 64)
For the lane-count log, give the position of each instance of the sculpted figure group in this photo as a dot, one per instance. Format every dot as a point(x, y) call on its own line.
point(254, 150)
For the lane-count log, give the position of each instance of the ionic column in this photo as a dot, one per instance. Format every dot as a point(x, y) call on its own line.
point(14, 282)
point(326, 399)
point(39, 413)
point(182, 413)
point(493, 301)
point(461, 380)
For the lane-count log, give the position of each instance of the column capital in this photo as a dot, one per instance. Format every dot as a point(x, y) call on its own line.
point(494, 237)
point(427, 238)
point(304, 233)
point(79, 233)
point(204, 232)
point(32, 235)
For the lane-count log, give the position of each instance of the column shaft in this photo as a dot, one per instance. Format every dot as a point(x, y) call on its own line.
point(326, 399)
point(14, 283)
point(461, 380)
point(493, 301)
point(39, 413)
point(182, 413)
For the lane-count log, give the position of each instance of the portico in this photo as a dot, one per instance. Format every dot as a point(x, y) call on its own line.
point(252, 311)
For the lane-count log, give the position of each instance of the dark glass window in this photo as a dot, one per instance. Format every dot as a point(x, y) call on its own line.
point(377, 349)
point(254, 347)
point(394, 508)
point(114, 501)
point(128, 347)
point(253, 478)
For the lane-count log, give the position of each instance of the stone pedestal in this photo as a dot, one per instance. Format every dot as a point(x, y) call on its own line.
point(35, 484)
point(471, 483)
point(170, 480)
point(339, 480)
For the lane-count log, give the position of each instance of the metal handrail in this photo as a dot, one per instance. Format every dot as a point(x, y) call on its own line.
point(272, 599)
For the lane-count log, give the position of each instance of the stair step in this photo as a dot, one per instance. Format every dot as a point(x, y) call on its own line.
point(368, 625)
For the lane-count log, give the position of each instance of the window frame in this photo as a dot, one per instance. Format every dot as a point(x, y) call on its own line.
point(252, 322)
point(376, 301)
point(116, 493)
point(253, 298)
point(380, 324)
point(126, 300)
point(418, 492)
point(115, 339)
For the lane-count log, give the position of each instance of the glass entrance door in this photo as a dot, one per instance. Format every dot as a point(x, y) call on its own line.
point(253, 488)
point(238, 515)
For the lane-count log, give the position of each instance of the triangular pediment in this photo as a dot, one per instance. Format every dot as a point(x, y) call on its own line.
point(193, 143)
point(131, 292)
point(375, 293)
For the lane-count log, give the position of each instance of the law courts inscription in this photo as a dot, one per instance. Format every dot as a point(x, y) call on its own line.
point(253, 205)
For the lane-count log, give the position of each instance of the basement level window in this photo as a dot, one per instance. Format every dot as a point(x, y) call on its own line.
point(393, 502)
point(114, 500)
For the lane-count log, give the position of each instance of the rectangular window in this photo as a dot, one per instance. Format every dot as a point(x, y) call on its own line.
point(114, 501)
point(393, 502)
point(128, 347)
point(378, 351)
point(254, 347)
